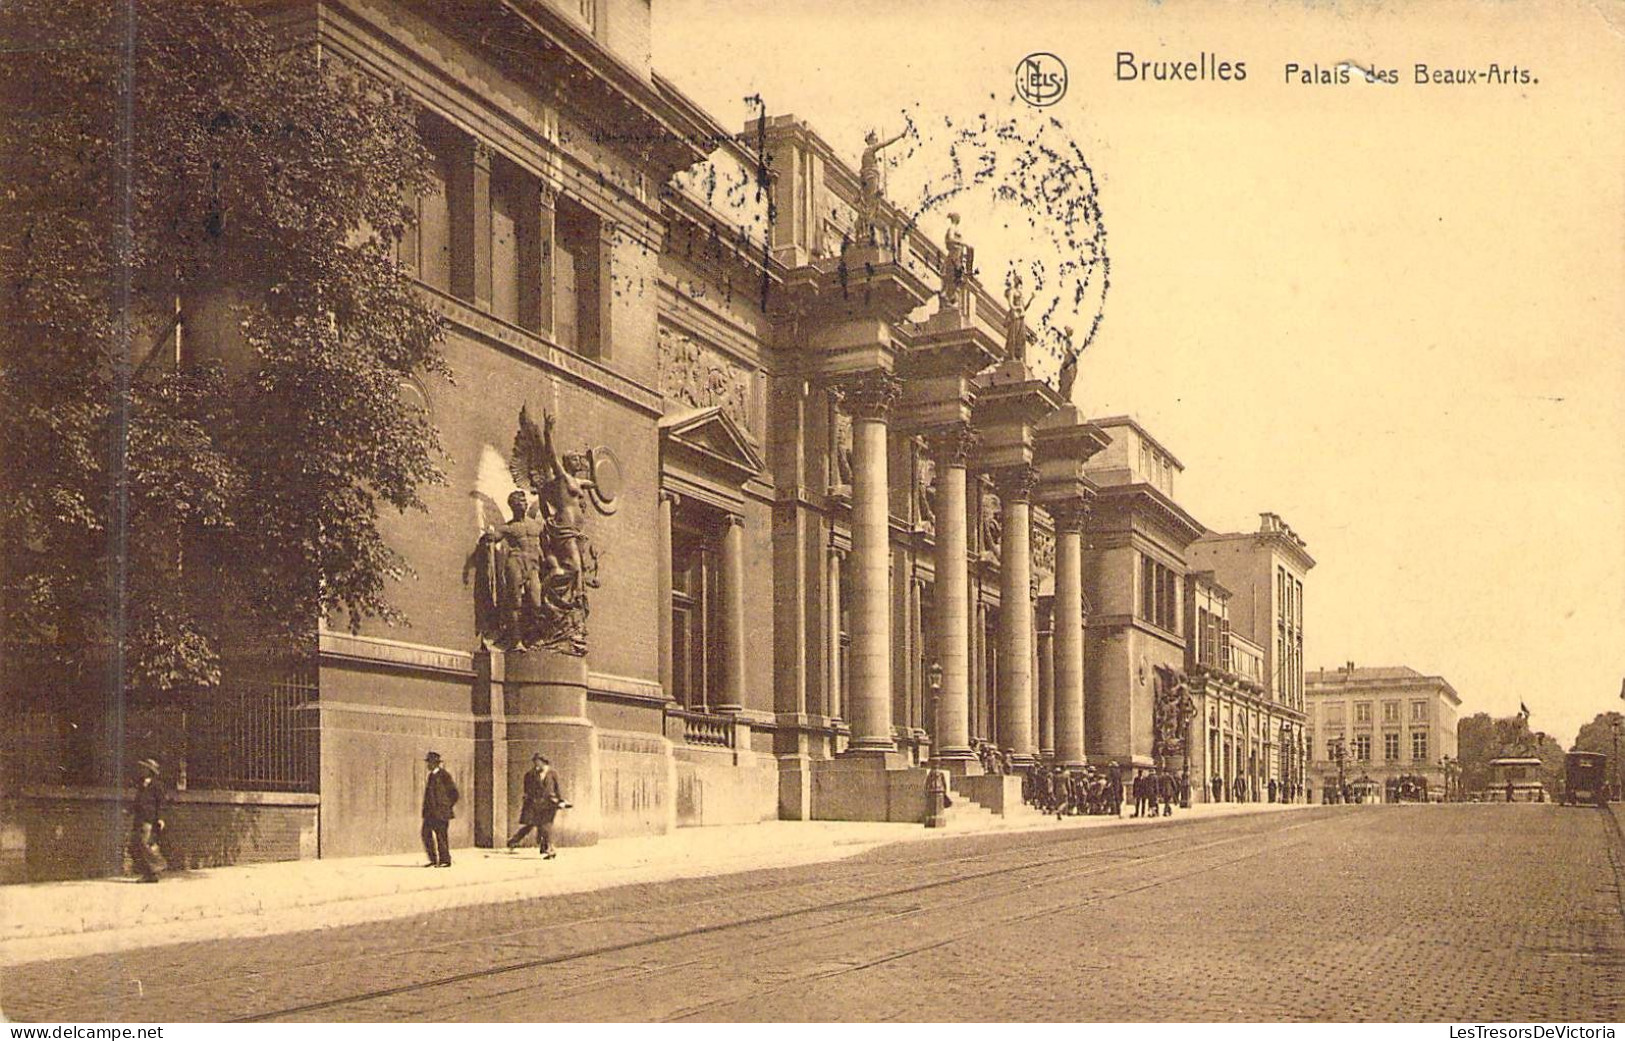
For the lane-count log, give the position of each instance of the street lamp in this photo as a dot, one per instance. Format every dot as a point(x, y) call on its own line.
point(1447, 763)
point(1615, 725)
point(934, 681)
point(1340, 753)
point(1288, 750)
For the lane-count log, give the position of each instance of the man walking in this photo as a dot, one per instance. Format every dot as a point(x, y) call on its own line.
point(440, 796)
point(542, 804)
point(147, 820)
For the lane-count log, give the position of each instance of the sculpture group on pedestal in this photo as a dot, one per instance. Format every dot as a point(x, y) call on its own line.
point(532, 573)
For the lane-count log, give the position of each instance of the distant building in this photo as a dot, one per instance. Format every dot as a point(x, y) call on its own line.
point(1262, 572)
point(1395, 721)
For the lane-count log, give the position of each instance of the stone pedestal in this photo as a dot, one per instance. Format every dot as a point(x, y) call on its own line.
point(871, 787)
point(533, 701)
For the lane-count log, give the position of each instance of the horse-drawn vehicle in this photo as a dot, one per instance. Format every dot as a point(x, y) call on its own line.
point(1585, 778)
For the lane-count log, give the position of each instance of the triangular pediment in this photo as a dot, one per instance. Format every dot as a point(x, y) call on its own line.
point(715, 440)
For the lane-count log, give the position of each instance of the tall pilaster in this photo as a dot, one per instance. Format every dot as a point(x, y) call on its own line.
point(1015, 693)
point(1069, 518)
point(952, 719)
point(731, 697)
point(663, 589)
point(869, 399)
point(1046, 678)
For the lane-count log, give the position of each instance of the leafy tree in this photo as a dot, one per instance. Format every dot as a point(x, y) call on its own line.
point(1598, 735)
point(203, 339)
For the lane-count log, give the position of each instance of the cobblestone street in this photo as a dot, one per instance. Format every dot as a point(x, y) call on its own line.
point(1463, 913)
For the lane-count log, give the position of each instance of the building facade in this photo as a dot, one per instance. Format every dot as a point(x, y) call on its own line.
point(1263, 572)
point(1380, 724)
point(844, 528)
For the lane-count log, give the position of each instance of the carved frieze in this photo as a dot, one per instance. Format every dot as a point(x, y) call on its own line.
point(699, 376)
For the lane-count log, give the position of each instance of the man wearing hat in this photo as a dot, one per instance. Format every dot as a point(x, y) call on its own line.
point(147, 820)
point(542, 804)
point(440, 795)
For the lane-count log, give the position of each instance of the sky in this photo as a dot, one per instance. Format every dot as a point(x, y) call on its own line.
point(1390, 313)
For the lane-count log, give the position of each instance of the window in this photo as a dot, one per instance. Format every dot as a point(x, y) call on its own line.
point(1362, 711)
point(1390, 712)
point(1334, 712)
point(1419, 745)
point(1362, 747)
point(1390, 747)
point(1419, 712)
point(507, 221)
point(696, 612)
point(425, 249)
point(1210, 635)
point(576, 266)
point(1159, 602)
point(1331, 749)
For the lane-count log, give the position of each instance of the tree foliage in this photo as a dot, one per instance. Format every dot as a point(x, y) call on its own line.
point(1598, 735)
point(174, 489)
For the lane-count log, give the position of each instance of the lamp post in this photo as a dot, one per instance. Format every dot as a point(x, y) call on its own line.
point(1615, 725)
point(1288, 750)
point(934, 681)
point(1340, 753)
point(1445, 761)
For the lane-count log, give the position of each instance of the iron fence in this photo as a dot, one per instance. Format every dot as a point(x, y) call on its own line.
point(257, 731)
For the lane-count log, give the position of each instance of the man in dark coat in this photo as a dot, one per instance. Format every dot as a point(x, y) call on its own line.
point(440, 796)
point(1168, 788)
point(147, 821)
point(542, 804)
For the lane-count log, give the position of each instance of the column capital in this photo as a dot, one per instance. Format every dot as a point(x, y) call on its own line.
point(481, 153)
point(869, 395)
point(1070, 515)
point(952, 445)
point(548, 194)
point(733, 520)
point(1016, 483)
point(674, 498)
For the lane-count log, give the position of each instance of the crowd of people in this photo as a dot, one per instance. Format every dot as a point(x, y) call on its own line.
point(1244, 789)
point(1089, 790)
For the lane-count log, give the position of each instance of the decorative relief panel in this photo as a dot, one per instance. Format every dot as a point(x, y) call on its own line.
point(699, 376)
point(1043, 553)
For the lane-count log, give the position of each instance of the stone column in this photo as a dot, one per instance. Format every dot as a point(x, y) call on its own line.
point(731, 696)
point(1046, 680)
point(832, 707)
point(1069, 742)
point(869, 399)
point(663, 589)
point(1015, 615)
point(951, 737)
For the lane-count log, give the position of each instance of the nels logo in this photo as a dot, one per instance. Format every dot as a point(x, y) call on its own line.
point(1041, 79)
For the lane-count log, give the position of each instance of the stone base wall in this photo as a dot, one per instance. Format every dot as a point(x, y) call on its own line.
point(71, 833)
point(637, 784)
point(725, 786)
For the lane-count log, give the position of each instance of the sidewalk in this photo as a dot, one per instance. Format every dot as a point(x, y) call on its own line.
point(70, 919)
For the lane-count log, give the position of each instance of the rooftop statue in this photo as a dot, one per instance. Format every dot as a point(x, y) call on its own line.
point(1015, 320)
point(1069, 365)
point(869, 198)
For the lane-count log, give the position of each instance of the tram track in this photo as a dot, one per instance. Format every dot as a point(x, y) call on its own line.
point(1025, 880)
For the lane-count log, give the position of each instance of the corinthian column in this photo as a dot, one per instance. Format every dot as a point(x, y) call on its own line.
point(1069, 517)
point(952, 718)
point(868, 703)
point(1015, 614)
